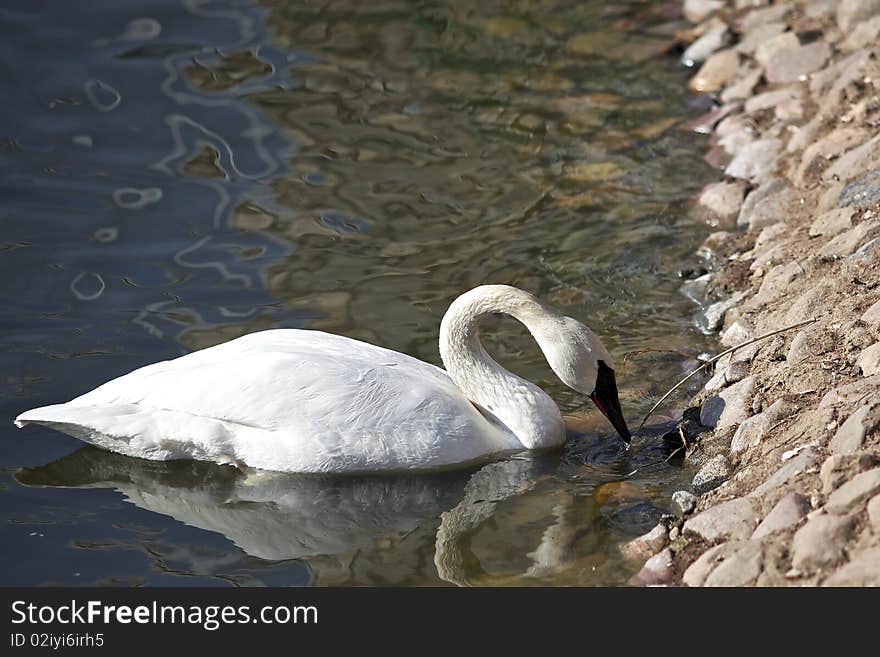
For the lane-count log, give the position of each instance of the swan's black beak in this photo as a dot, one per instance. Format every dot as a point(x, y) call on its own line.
point(605, 398)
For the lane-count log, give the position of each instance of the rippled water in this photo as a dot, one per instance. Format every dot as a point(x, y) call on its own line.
point(175, 174)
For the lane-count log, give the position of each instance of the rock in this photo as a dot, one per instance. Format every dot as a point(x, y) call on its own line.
point(863, 570)
point(770, 99)
point(706, 123)
point(760, 34)
point(755, 161)
point(854, 492)
point(742, 85)
point(851, 434)
point(865, 34)
point(767, 49)
point(737, 333)
point(736, 371)
point(789, 110)
point(684, 502)
point(851, 12)
point(770, 208)
point(735, 132)
point(657, 569)
point(645, 546)
point(752, 431)
point(862, 192)
point(697, 10)
point(734, 519)
point(832, 145)
point(874, 514)
point(792, 64)
point(728, 407)
point(772, 233)
point(700, 569)
point(723, 199)
point(837, 468)
point(832, 472)
point(740, 568)
point(832, 222)
point(850, 392)
point(854, 164)
point(868, 361)
point(756, 17)
point(713, 473)
point(787, 512)
point(828, 84)
point(716, 71)
point(820, 542)
point(846, 243)
point(777, 282)
point(714, 314)
point(809, 342)
point(872, 315)
point(701, 49)
point(789, 470)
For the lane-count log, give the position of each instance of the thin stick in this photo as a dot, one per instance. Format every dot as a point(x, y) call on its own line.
point(714, 358)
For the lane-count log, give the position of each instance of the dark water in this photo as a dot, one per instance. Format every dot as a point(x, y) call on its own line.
point(175, 174)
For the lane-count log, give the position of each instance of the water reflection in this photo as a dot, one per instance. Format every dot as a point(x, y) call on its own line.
point(342, 527)
point(174, 174)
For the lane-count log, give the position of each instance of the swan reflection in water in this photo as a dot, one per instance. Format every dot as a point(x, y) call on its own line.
point(331, 521)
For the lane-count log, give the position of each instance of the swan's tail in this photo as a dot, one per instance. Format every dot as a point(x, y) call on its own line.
point(156, 434)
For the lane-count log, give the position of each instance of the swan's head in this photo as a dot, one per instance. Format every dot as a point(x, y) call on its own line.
point(583, 363)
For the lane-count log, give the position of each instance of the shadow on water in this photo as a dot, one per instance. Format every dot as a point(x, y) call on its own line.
point(177, 173)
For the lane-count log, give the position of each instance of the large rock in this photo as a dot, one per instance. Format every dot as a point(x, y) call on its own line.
point(729, 407)
point(861, 192)
point(701, 49)
point(854, 492)
point(788, 471)
point(770, 208)
point(697, 10)
point(820, 542)
point(853, 164)
point(832, 145)
point(752, 431)
point(779, 43)
point(734, 519)
point(716, 71)
point(832, 222)
point(863, 570)
point(787, 513)
point(869, 360)
point(760, 34)
point(684, 502)
point(700, 569)
point(643, 547)
point(723, 199)
point(739, 569)
point(851, 12)
point(713, 473)
point(793, 64)
point(851, 434)
point(872, 315)
point(755, 161)
point(846, 243)
point(657, 570)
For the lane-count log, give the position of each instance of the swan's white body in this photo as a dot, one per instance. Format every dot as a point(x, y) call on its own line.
point(306, 401)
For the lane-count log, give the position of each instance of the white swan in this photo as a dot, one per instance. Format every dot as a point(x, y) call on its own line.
point(306, 401)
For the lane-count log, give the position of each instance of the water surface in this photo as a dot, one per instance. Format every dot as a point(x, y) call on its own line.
point(175, 174)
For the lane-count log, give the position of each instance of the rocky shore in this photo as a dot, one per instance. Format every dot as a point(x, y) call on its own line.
point(786, 433)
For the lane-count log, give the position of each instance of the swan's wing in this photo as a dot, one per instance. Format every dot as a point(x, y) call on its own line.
point(290, 400)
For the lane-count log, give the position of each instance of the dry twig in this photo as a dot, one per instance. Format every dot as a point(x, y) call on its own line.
point(715, 358)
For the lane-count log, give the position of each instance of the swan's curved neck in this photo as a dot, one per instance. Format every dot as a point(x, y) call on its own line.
point(523, 407)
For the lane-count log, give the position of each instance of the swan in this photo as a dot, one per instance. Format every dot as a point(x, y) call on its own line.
point(305, 401)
